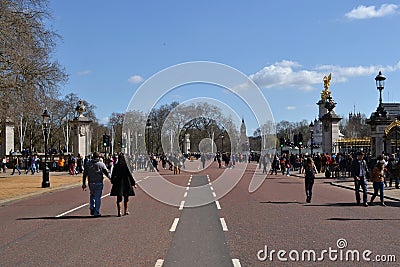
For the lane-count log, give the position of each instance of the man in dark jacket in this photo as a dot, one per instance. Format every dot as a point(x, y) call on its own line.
point(94, 171)
point(360, 174)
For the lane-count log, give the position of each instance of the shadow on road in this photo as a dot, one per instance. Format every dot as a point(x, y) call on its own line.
point(361, 219)
point(66, 217)
point(388, 203)
point(331, 205)
point(281, 202)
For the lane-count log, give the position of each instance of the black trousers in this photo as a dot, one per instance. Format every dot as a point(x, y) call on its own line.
point(309, 182)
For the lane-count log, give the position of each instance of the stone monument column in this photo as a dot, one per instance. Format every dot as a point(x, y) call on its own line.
point(330, 121)
point(187, 144)
point(7, 138)
point(81, 132)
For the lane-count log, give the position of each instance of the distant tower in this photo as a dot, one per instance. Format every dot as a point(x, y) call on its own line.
point(244, 146)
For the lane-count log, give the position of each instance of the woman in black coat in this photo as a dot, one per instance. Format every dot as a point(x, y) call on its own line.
point(310, 170)
point(122, 184)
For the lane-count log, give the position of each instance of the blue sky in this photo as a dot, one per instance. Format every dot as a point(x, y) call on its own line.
point(285, 47)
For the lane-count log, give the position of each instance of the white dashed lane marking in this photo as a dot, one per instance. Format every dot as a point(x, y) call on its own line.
point(236, 263)
point(218, 205)
point(174, 225)
point(160, 263)
point(77, 208)
point(223, 224)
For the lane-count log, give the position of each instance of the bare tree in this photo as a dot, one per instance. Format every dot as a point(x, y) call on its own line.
point(28, 74)
point(29, 77)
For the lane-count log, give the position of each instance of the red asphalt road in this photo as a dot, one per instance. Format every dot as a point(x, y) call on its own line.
point(33, 236)
point(276, 216)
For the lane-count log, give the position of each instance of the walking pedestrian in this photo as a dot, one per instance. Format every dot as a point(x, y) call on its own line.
point(4, 164)
point(310, 170)
point(72, 165)
point(275, 165)
point(360, 175)
point(61, 163)
point(378, 179)
point(288, 167)
point(79, 164)
point(31, 165)
point(218, 158)
point(122, 184)
point(37, 163)
point(94, 173)
point(203, 160)
point(16, 166)
point(154, 162)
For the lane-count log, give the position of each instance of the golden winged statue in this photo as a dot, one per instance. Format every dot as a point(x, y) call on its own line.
point(327, 82)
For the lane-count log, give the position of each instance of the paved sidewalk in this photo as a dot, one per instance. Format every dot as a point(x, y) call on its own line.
point(15, 187)
point(391, 193)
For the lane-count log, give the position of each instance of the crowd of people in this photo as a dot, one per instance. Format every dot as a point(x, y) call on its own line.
point(383, 171)
point(32, 163)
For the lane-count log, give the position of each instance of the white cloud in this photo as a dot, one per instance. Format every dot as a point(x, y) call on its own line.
point(291, 108)
point(84, 72)
point(368, 12)
point(343, 73)
point(135, 79)
point(283, 74)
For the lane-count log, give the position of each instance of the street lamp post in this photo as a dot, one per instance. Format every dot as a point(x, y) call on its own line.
point(148, 127)
point(222, 143)
point(46, 126)
point(380, 84)
point(312, 136)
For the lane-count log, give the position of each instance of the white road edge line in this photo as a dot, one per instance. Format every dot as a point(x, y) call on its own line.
point(185, 195)
point(218, 205)
point(223, 223)
point(77, 208)
point(236, 263)
point(160, 263)
point(174, 225)
point(182, 204)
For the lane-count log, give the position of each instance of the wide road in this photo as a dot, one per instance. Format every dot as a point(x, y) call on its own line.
point(270, 227)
